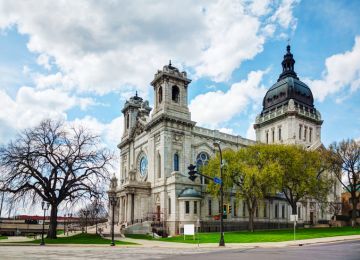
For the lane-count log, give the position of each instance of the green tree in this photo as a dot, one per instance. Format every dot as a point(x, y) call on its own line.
point(251, 173)
point(303, 174)
point(344, 160)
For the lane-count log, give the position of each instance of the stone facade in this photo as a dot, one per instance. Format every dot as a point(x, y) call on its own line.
point(156, 149)
point(290, 117)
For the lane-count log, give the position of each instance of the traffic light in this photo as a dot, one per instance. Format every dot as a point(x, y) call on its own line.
point(192, 172)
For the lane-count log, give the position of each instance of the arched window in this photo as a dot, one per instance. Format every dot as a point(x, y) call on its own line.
point(176, 162)
point(160, 95)
point(201, 160)
point(175, 94)
point(127, 121)
point(158, 165)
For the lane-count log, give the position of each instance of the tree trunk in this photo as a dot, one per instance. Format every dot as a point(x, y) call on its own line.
point(251, 220)
point(293, 208)
point(251, 209)
point(53, 222)
point(353, 212)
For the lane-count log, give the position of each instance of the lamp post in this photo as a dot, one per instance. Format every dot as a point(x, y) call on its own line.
point(64, 224)
point(221, 242)
point(86, 213)
point(113, 201)
point(67, 224)
point(45, 206)
point(96, 220)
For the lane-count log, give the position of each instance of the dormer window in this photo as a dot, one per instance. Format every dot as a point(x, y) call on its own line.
point(175, 94)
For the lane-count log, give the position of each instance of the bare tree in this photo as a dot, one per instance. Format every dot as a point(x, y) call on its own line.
point(344, 158)
point(54, 163)
point(93, 214)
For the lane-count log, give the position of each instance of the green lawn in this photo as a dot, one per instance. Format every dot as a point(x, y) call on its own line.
point(59, 232)
point(3, 237)
point(261, 236)
point(82, 238)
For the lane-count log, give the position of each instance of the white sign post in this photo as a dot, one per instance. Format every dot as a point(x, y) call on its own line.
point(198, 230)
point(189, 229)
point(294, 218)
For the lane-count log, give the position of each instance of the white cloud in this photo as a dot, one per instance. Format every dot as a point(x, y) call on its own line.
point(260, 7)
point(105, 45)
point(205, 108)
point(30, 106)
point(250, 132)
point(341, 71)
point(110, 133)
point(284, 14)
point(227, 130)
point(44, 60)
point(233, 37)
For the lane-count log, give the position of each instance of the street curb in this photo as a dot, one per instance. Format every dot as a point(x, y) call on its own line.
point(175, 245)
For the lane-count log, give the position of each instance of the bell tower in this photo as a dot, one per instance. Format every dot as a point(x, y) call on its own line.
point(134, 110)
point(170, 97)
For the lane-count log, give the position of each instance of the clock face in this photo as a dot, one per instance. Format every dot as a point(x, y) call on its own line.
point(143, 166)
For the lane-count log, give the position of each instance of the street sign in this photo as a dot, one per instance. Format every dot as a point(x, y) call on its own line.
point(217, 180)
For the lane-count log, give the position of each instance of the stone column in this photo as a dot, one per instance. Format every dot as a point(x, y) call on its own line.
point(120, 209)
point(129, 208)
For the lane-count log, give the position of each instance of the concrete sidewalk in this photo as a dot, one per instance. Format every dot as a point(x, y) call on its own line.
point(161, 244)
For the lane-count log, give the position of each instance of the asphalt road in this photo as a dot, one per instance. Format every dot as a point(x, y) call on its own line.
point(349, 250)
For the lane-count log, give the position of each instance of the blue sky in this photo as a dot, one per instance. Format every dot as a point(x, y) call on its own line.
point(81, 61)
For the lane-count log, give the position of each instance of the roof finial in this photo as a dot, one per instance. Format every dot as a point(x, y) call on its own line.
point(288, 64)
point(136, 95)
point(288, 45)
point(170, 63)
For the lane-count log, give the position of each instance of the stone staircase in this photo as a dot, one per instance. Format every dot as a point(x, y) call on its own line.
point(136, 228)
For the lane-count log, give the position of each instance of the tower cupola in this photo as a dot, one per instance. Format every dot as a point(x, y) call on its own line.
point(288, 65)
point(171, 96)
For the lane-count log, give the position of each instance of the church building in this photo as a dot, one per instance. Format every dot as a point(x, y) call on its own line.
point(154, 191)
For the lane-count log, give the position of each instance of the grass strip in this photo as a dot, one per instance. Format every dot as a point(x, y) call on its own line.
point(259, 236)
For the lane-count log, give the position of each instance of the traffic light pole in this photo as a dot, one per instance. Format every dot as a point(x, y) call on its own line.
point(222, 241)
point(192, 176)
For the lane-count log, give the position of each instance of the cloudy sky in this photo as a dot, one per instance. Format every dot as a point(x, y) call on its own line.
point(80, 60)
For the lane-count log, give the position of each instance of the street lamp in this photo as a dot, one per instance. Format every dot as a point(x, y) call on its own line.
point(222, 242)
point(86, 213)
point(69, 216)
point(96, 220)
point(113, 201)
point(64, 224)
point(45, 206)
